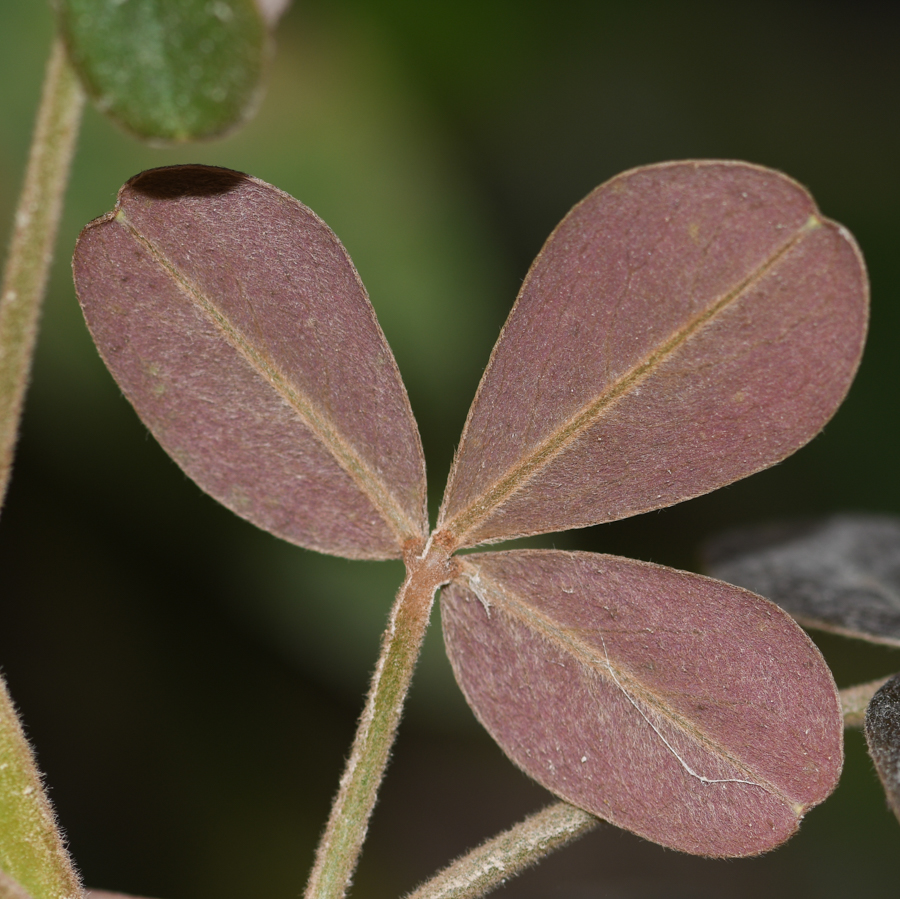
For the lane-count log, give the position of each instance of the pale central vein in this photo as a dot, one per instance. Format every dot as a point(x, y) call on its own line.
point(558, 440)
point(368, 482)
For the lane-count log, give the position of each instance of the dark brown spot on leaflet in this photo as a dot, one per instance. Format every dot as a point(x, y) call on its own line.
point(186, 181)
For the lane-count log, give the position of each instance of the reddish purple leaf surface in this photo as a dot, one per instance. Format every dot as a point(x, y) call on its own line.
point(689, 711)
point(235, 323)
point(686, 325)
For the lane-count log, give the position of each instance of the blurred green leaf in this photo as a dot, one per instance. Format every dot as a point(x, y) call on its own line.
point(168, 70)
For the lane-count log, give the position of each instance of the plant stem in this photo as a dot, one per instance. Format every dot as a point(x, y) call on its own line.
point(339, 849)
point(508, 854)
point(855, 701)
point(32, 851)
point(34, 236)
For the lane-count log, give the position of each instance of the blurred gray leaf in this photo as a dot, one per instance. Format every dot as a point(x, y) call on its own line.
point(883, 737)
point(840, 574)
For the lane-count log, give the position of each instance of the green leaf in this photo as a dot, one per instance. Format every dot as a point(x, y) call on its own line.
point(168, 70)
point(31, 849)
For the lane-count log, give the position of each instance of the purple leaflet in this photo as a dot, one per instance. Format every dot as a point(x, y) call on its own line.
point(235, 323)
point(689, 711)
point(686, 325)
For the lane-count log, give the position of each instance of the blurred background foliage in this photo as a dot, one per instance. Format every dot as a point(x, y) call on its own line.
point(191, 685)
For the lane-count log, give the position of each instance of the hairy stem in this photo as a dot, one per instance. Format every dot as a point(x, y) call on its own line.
point(508, 854)
point(34, 235)
point(855, 701)
point(339, 849)
point(32, 852)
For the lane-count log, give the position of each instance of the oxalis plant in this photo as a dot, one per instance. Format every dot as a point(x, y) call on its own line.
point(686, 325)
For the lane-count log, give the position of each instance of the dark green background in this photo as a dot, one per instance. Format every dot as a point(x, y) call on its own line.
point(191, 684)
